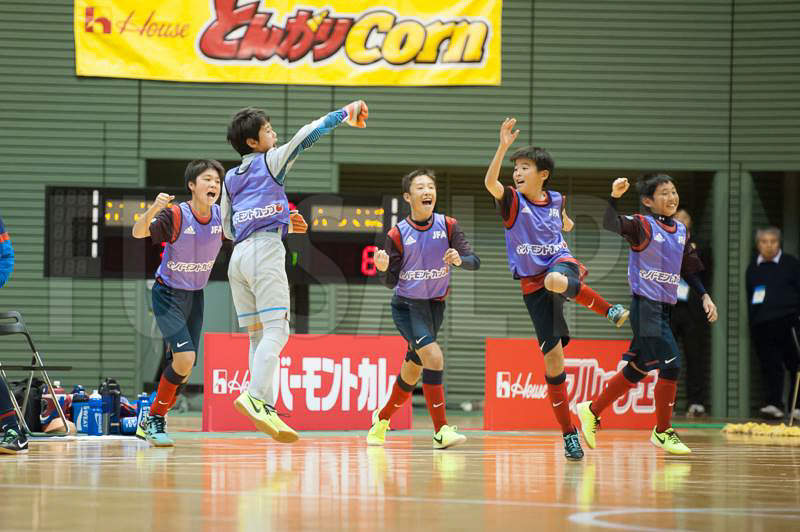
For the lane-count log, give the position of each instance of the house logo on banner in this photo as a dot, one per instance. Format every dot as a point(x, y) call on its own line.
point(145, 25)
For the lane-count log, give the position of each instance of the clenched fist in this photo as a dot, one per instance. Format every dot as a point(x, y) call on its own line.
point(357, 113)
point(297, 224)
point(451, 256)
point(619, 187)
point(162, 200)
point(381, 260)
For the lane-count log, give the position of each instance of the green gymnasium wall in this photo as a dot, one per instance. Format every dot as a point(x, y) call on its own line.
point(706, 90)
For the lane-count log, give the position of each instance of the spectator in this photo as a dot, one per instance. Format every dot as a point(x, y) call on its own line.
point(773, 295)
point(691, 328)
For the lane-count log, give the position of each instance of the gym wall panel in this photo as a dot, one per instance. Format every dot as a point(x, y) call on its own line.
point(632, 84)
point(766, 85)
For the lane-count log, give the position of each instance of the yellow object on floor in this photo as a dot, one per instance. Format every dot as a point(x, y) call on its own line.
point(762, 429)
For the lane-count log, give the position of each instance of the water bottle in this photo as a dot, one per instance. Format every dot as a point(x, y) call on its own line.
point(142, 408)
point(127, 425)
point(80, 411)
point(111, 394)
point(95, 414)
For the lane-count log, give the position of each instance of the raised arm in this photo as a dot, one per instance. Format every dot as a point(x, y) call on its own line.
point(507, 138)
point(629, 227)
point(280, 159)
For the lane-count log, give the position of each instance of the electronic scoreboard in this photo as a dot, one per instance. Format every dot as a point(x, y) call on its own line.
point(88, 235)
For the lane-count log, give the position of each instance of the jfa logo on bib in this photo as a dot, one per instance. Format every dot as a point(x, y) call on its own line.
point(439, 234)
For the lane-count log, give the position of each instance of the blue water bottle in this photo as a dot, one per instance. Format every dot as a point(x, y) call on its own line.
point(80, 411)
point(95, 414)
point(142, 408)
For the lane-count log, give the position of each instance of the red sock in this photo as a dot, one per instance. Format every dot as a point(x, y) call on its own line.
point(617, 387)
point(401, 391)
point(592, 300)
point(166, 391)
point(557, 390)
point(666, 390)
point(434, 396)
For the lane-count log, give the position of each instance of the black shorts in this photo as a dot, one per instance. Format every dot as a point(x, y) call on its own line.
point(653, 345)
point(419, 321)
point(179, 314)
point(547, 310)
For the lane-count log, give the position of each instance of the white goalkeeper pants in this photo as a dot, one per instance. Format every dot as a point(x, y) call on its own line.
point(260, 289)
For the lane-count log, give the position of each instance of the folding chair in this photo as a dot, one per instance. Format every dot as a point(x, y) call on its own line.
point(17, 326)
point(796, 338)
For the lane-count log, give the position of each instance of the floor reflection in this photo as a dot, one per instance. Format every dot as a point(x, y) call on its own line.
point(513, 482)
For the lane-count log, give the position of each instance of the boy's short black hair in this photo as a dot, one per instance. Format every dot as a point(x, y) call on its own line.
point(649, 182)
point(197, 167)
point(409, 177)
point(244, 125)
point(540, 156)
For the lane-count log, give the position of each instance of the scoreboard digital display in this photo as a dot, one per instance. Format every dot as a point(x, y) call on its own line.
point(347, 218)
point(88, 235)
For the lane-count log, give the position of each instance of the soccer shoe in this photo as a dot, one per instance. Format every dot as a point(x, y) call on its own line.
point(13, 442)
point(589, 423)
point(153, 430)
point(618, 315)
point(375, 414)
point(286, 434)
point(572, 446)
point(669, 441)
point(771, 412)
point(447, 437)
point(377, 432)
point(264, 418)
point(696, 410)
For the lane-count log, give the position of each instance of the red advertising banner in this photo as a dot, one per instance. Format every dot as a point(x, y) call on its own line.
point(516, 393)
point(325, 382)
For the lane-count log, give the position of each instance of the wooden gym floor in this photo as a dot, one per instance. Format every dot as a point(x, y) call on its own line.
point(333, 481)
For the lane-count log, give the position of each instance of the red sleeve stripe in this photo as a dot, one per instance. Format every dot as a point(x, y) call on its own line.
point(451, 224)
point(176, 223)
point(4, 237)
point(394, 234)
point(512, 212)
point(646, 226)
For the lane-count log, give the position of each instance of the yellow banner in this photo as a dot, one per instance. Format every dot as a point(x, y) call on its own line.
point(312, 42)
